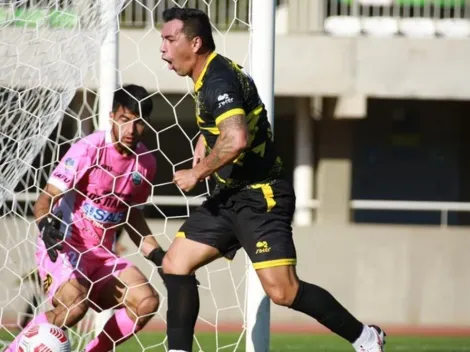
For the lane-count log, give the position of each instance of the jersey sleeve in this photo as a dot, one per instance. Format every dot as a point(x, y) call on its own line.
point(146, 190)
point(223, 98)
point(72, 167)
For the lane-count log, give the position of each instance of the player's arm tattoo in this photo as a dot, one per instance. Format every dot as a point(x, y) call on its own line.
point(231, 142)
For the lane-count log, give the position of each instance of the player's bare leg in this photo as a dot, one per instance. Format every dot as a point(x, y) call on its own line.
point(284, 288)
point(136, 302)
point(70, 306)
point(182, 259)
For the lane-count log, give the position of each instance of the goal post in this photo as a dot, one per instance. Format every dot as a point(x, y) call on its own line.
point(108, 83)
point(262, 45)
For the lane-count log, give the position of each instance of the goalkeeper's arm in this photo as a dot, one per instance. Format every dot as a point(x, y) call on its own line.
point(140, 234)
point(45, 202)
point(48, 224)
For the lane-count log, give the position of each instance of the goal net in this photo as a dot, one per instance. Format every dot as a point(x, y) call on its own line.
point(49, 98)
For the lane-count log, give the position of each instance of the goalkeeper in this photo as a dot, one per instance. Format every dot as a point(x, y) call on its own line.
point(253, 204)
point(100, 184)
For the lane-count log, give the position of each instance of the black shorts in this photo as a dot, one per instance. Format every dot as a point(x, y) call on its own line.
point(257, 218)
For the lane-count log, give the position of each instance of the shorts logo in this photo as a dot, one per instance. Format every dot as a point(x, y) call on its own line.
point(47, 283)
point(136, 178)
point(262, 247)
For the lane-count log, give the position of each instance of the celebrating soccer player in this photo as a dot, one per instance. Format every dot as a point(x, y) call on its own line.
point(100, 184)
point(253, 204)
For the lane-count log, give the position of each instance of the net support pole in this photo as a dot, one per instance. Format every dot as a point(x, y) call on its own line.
point(108, 62)
point(107, 86)
point(262, 71)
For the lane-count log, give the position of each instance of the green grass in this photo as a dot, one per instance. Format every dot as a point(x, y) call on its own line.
point(307, 343)
point(148, 341)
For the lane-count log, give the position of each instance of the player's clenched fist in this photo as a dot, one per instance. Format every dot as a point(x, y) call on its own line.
point(185, 179)
point(51, 234)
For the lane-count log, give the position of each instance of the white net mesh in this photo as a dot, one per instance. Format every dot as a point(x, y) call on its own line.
point(48, 99)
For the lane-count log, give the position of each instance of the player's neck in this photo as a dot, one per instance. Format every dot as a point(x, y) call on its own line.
point(201, 62)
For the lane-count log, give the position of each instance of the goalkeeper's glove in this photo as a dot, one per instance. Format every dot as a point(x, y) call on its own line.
point(156, 256)
point(51, 235)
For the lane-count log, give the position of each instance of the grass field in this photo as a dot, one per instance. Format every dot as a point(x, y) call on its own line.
point(306, 343)
point(148, 341)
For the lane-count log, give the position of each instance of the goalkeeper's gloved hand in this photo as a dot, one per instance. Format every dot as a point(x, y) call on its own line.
point(156, 256)
point(51, 235)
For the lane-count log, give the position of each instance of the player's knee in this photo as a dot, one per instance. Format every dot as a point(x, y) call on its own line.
point(171, 265)
point(280, 295)
point(282, 289)
point(69, 315)
point(148, 306)
point(146, 309)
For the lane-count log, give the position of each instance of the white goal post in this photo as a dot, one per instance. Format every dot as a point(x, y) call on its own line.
point(262, 53)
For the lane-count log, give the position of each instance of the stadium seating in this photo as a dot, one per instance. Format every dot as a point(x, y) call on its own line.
point(409, 18)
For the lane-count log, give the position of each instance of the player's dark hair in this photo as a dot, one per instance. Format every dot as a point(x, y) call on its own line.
point(135, 99)
point(196, 23)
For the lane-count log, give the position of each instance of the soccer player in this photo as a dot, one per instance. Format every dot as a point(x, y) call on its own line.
point(100, 184)
point(253, 204)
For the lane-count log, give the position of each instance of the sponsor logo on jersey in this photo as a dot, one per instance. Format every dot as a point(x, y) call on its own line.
point(103, 216)
point(63, 177)
point(224, 99)
point(136, 178)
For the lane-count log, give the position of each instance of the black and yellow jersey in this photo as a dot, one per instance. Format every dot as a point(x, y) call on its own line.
point(223, 90)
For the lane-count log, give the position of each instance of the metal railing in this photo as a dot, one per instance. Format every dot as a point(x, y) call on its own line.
point(414, 18)
point(356, 204)
point(157, 200)
point(224, 14)
point(443, 207)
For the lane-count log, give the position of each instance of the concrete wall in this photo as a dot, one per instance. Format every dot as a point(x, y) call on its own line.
point(307, 64)
point(388, 275)
point(321, 65)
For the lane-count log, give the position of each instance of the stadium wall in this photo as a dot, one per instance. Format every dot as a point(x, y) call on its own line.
point(381, 67)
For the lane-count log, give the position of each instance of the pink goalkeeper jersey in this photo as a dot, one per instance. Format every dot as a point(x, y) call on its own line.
point(100, 186)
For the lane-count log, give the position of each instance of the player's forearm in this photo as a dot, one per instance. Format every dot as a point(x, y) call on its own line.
point(140, 233)
point(227, 148)
point(42, 207)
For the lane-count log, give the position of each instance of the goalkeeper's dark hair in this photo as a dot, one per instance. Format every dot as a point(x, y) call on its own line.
point(134, 98)
point(196, 23)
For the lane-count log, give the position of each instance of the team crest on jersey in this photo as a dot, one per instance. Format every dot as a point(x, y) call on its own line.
point(69, 163)
point(136, 178)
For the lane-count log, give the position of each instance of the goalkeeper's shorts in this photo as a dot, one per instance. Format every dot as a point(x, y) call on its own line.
point(257, 218)
point(95, 268)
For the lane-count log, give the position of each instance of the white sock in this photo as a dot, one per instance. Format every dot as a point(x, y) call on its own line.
point(366, 340)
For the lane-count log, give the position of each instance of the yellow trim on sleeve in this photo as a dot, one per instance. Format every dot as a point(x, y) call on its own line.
point(230, 113)
point(198, 83)
point(274, 263)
